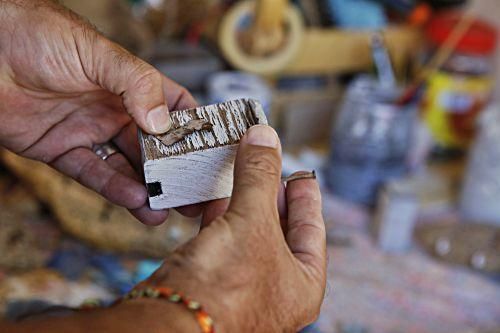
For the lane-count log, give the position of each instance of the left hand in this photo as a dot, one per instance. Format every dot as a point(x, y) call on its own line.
point(64, 87)
point(254, 269)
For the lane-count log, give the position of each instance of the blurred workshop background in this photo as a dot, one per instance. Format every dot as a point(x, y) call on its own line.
point(394, 103)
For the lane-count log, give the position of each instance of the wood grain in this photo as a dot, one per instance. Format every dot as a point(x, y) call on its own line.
point(199, 167)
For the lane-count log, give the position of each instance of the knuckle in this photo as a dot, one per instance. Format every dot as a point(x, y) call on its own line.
point(307, 225)
point(147, 79)
point(121, 57)
point(85, 171)
point(88, 34)
point(305, 201)
point(85, 36)
point(263, 164)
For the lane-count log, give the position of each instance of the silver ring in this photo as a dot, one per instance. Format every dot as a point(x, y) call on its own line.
point(105, 150)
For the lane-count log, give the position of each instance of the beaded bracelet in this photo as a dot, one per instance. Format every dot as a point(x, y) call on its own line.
point(204, 320)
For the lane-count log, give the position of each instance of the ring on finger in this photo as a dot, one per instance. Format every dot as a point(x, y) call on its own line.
point(105, 150)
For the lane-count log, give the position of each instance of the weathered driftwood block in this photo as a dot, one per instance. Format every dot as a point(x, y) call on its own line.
point(198, 166)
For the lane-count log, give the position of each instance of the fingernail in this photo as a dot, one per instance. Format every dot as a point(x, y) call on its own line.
point(262, 135)
point(158, 119)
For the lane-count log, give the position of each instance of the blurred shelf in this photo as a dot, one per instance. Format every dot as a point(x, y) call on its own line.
point(341, 51)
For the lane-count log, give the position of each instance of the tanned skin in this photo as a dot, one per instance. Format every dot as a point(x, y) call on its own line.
point(255, 267)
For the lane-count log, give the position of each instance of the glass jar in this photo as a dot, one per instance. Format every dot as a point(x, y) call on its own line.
point(371, 141)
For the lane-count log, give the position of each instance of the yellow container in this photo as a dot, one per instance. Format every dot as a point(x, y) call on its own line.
point(451, 105)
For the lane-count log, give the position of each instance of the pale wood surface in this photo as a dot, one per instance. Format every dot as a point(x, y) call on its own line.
point(198, 168)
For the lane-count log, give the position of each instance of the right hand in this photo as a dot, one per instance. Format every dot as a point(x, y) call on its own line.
point(250, 273)
point(64, 88)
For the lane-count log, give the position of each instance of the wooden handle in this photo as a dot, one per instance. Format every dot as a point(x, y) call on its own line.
point(270, 14)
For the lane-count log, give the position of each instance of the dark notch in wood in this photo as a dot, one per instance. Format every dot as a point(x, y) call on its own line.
point(154, 189)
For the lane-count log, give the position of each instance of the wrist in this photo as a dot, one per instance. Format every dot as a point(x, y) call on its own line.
point(202, 288)
point(141, 315)
point(157, 315)
point(221, 316)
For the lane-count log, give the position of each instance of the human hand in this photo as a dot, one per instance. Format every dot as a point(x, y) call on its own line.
point(64, 88)
point(251, 273)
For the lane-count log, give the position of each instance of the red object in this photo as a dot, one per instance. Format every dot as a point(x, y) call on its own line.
point(420, 15)
point(481, 39)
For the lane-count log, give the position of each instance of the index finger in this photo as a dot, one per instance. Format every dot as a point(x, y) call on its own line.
point(306, 235)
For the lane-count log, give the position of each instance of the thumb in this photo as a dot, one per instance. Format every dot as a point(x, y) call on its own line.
point(257, 175)
point(140, 84)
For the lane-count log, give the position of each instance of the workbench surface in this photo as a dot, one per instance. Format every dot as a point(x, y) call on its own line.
point(402, 293)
